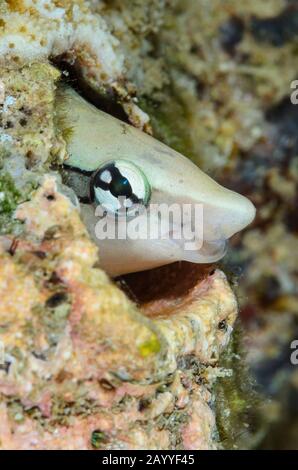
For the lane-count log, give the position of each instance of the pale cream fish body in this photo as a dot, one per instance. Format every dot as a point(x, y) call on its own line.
point(155, 174)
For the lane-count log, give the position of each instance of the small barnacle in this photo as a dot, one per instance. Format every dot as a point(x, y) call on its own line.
point(52, 232)
point(144, 403)
point(222, 325)
point(56, 299)
point(106, 384)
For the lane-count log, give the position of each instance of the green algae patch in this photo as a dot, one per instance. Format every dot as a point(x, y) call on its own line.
point(9, 198)
point(151, 346)
point(237, 401)
point(166, 127)
point(9, 195)
point(98, 438)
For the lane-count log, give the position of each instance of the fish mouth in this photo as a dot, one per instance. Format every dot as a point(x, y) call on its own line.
point(161, 290)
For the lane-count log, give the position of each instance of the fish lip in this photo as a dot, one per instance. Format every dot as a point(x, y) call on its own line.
point(209, 251)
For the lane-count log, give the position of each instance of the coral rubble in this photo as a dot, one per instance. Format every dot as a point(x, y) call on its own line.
point(85, 367)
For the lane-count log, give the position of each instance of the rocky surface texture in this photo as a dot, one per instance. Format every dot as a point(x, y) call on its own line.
point(211, 79)
point(83, 366)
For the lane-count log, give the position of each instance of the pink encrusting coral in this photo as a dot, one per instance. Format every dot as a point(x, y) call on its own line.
point(84, 368)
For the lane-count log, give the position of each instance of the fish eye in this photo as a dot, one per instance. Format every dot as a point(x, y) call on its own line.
point(119, 185)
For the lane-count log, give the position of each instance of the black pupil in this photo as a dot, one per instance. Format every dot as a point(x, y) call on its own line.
point(120, 186)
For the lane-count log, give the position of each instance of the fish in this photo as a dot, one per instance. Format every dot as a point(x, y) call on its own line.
point(126, 177)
